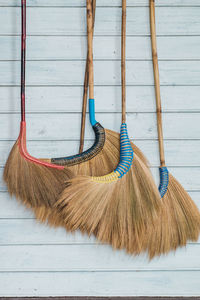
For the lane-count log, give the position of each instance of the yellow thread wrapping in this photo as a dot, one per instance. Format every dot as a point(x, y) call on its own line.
point(107, 178)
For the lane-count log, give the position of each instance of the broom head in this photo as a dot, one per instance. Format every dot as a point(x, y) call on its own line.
point(116, 210)
point(178, 220)
point(32, 181)
point(101, 164)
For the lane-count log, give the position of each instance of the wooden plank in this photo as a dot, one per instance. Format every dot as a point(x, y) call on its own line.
point(158, 283)
point(108, 99)
point(179, 153)
point(72, 73)
point(29, 231)
point(72, 21)
point(102, 298)
point(73, 47)
point(79, 258)
point(96, 298)
point(70, 3)
point(141, 126)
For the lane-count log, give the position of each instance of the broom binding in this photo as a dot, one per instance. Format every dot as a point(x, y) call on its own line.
point(126, 152)
point(164, 181)
point(87, 155)
point(26, 155)
point(126, 158)
point(92, 151)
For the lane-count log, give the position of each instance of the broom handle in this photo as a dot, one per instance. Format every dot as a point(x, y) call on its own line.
point(85, 94)
point(123, 61)
point(23, 57)
point(157, 82)
point(90, 49)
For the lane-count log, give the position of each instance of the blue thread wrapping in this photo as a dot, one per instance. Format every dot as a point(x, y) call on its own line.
point(92, 112)
point(164, 181)
point(126, 152)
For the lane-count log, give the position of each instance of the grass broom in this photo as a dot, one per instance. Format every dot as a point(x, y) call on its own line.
point(118, 207)
point(105, 161)
point(23, 173)
point(179, 220)
point(38, 182)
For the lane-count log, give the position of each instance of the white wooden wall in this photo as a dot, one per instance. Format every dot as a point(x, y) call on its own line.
point(36, 260)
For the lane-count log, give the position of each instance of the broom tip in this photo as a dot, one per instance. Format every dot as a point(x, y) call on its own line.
point(116, 212)
point(177, 224)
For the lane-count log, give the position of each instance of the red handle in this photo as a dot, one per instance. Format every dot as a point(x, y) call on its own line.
point(23, 57)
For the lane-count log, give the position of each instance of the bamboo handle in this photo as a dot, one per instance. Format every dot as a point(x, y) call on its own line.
point(85, 93)
point(157, 82)
point(23, 57)
point(123, 60)
point(90, 49)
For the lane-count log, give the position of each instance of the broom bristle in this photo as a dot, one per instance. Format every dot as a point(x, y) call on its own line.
point(33, 184)
point(116, 212)
point(38, 187)
point(177, 222)
point(103, 163)
point(107, 160)
point(47, 215)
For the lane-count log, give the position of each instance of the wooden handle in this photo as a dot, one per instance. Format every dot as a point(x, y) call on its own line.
point(123, 60)
point(85, 92)
point(90, 49)
point(157, 82)
point(23, 57)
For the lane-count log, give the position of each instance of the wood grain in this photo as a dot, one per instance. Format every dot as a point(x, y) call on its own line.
point(74, 47)
point(142, 125)
point(171, 283)
point(108, 99)
point(72, 21)
point(130, 3)
point(94, 257)
point(53, 73)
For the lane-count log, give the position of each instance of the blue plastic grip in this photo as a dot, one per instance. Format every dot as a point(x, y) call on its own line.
point(126, 152)
point(92, 112)
point(164, 181)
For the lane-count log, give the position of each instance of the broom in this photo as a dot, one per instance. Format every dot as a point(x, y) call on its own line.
point(37, 183)
point(23, 173)
point(101, 164)
point(179, 219)
point(106, 160)
point(118, 207)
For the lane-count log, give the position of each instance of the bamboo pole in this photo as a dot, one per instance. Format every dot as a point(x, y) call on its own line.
point(90, 49)
point(123, 61)
point(85, 92)
point(157, 82)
